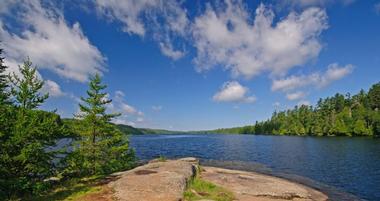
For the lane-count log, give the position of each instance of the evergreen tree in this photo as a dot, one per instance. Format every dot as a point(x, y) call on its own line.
point(26, 136)
point(26, 89)
point(4, 93)
point(374, 96)
point(102, 146)
point(360, 128)
point(357, 115)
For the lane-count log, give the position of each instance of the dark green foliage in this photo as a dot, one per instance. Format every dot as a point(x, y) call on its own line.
point(129, 129)
point(374, 96)
point(4, 92)
point(73, 124)
point(26, 89)
point(101, 148)
point(27, 137)
point(341, 115)
point(29, 154)
point(25, 156)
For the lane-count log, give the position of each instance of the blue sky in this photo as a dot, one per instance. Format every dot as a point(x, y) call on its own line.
point(189, 65)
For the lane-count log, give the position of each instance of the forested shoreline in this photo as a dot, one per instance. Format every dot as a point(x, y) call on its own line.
point(340, 115)
point(31, 165)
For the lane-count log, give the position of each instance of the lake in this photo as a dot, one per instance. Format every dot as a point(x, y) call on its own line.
point(344, 168)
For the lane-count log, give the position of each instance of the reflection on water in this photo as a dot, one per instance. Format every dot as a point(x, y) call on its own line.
point(333, 164)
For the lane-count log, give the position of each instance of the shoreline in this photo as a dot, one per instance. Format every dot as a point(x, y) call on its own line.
point(166, 180)
point(253, 167)
point(333, 193)
point(264, 185)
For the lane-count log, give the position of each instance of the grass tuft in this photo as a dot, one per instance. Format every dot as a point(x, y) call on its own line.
point(199, 189)
point(162, 158)
point(72, 190)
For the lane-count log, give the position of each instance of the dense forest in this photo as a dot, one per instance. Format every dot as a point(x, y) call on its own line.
point(31, 162)
point(340, 115)
point(125, 129)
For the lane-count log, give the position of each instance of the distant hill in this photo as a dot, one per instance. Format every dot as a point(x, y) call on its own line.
point(126, 129)
point(140, 131)
point(159, 131)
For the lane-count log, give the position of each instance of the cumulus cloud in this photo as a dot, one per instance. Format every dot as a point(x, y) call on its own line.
point(334, 72)
point(308, 3)
point(53, 89)
point(164, 20)
point(295, 96)
point(120, 105)
point(129, 114)
point(304, 102)
point(124, 121)
point(48, 40)
point(140, 119)
point(228, 36)
point(128, 12)
point(233, 92)
point(167, 50)
point(128, 109)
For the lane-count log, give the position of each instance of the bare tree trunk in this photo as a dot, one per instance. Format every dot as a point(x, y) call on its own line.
point(94, 149)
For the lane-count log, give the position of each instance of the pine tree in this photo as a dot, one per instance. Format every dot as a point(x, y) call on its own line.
point(4, 93)
point(26, 89)
point(374, 96)
point(26, 136)
point(102, 148)
point(360, 128)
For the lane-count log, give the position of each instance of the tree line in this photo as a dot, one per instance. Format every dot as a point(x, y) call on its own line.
point(29, 153)
point(340, 115)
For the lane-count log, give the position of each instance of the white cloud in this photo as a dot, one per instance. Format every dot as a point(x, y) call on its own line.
point(164, 20)
point(308, 3)
point(140, 119)
point(228, 36)
point(334, 72)
point(293, 82)
point(128, 12)
point(157, 108)
point(119, 95)
point(167, 50)
point(295, 96)
point(128, 109)
point(233, 92)
point(4, 5)
point(304, 102)
point(49, 41)
point(52, 88)
point(129, 114)
point(124, 121)
point(120, 105)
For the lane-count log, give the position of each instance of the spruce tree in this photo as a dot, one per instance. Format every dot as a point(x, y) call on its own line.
point(374, 96)
point(102, 147)
point(4, 93)
point(26, 89)
point(27, 136)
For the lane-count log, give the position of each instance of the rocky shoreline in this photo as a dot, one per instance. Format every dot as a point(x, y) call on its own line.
point(167, 180)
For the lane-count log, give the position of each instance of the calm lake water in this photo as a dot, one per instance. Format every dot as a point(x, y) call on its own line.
point(344, 168)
